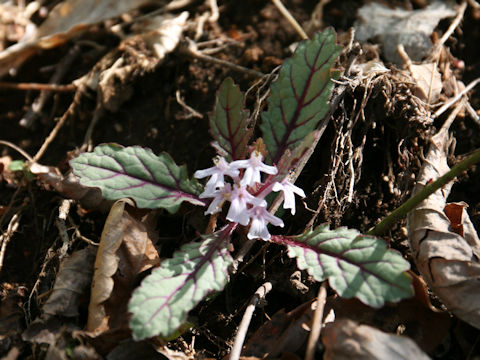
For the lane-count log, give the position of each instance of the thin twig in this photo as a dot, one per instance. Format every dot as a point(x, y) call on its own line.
point(87, 139)
point(247, 317)
point(290, 19)
point(7, 236)
point(37, 86)
point(316, 326)
point(17, 149)
point(61, 69)
point(54, 133)
point(453, 25)
point(191, 50)
point(192, 111)
point(455, 98)
point(63, 211)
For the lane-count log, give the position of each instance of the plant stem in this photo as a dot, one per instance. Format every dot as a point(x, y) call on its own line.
point(411, 203)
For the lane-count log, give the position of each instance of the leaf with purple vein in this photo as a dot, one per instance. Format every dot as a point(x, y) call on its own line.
point(299, 97)
point(229, 121)
point(134, 172)
point(355, 265)
point(161, 303)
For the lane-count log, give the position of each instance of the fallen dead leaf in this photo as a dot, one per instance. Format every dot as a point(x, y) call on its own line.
point(347, 339)
point(448, 261)
point(412, 316)
point(397, 26)
point(126, 249)
point(73, 278)
point(106, 264)
point(66, 20)
point(162, 33)
point(428, 82)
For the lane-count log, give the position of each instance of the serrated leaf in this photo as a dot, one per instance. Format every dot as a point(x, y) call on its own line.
point(160, 305)
point(229, 121)
point(134, 172)
point(355, 265)
point(299, 97)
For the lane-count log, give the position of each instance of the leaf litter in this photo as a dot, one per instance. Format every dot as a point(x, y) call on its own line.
point(378, 132)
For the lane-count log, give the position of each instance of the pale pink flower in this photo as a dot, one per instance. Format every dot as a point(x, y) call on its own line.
point(238, 211)
point(216, 173)
point(219, 197)
point(253, 167)
point(260, 218)
point(288, 193)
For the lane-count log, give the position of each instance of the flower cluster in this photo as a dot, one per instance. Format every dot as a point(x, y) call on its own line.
point(246, 208)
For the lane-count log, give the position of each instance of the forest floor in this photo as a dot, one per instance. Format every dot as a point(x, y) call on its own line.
point(116, 87)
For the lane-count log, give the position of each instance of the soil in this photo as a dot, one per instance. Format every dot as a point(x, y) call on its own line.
point(382, 121)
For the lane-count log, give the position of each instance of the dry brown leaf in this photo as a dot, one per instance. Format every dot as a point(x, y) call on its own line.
point(125, 250)
point(428, 82)
point(447, 261)
point(162, 33)
point(106, 265)
point(66, 20)
point(71, 284)
point(346, 339)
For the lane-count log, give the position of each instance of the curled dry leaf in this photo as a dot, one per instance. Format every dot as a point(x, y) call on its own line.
point(66, 20)
point(163, 32)
point(448, 261)
point(346, 339)
point(73, 278)
point(125, 250)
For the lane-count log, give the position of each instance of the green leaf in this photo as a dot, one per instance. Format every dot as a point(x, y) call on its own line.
point(355, 265)
point(229, 120)
point(290, 158)
point(160, 305)
point(299, 97)
point(133, 172)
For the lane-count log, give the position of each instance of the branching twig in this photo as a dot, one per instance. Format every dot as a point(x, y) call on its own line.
point(247, 317)
point(455, 98)
point(191, 50)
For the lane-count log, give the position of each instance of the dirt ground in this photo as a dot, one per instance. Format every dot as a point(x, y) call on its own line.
point(379, 129)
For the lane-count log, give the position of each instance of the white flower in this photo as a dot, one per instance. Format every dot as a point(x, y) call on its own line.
point(252, 167)
point(219, 197)
point(288, 193)
point(239, 199)
point(260, 218)
point(216, 174)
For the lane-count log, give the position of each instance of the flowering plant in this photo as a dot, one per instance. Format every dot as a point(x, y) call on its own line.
point(355, 265)
point(246, 206)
